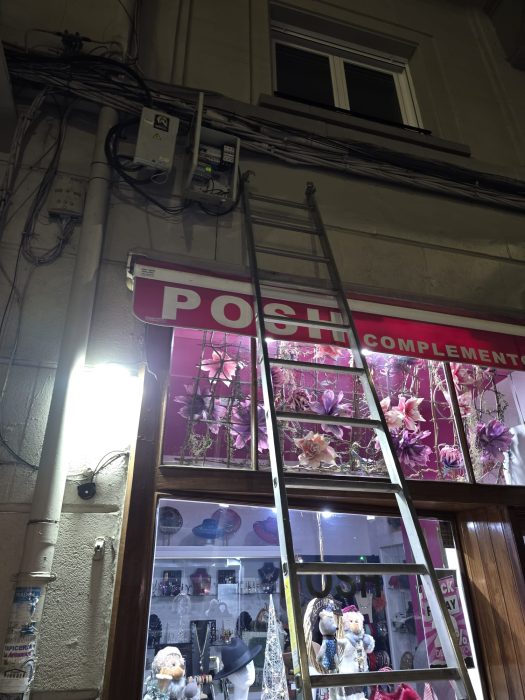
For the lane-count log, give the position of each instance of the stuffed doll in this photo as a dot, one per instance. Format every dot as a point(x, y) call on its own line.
point(356, 645)
point(167, 680)
point(327, 656)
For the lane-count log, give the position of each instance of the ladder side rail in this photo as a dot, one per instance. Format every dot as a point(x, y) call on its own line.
point(420, 551)
point(290, 579)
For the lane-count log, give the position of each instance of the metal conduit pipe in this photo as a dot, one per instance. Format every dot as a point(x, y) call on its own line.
point(19, 659)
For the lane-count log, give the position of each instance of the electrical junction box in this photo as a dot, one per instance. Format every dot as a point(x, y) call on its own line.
point(66, 197)
point(156, 139)
point(212, 165)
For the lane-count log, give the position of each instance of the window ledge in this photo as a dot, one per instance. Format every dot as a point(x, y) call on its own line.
point(363, 125)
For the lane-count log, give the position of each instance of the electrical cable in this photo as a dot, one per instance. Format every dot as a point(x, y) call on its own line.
point(89, 77)
point(133, 28)
point(103, 463)
point(229, 209)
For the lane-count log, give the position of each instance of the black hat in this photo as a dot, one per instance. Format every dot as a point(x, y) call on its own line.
point(235, 655)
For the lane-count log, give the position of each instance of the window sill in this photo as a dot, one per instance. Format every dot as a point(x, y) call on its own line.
point(362, 125)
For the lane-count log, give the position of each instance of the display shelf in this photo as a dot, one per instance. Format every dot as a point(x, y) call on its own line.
point(212, 551)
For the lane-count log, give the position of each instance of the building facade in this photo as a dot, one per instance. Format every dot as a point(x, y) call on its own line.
point(406, 117)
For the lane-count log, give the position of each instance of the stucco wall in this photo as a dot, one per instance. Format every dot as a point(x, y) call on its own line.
point(389, 241)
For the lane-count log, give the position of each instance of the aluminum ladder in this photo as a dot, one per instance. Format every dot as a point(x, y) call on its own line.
point(284, 482)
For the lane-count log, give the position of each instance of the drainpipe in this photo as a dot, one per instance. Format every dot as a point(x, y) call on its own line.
point(20, 647)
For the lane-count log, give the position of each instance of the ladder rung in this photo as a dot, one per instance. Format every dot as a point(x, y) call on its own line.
point(324, 325)
point(274, 223)
point(317, 366)
point(329, 420)
point(348, 680)
point(276, 200)
point(358, 569)
point(272, 280)
point(267, 250)
point(341, 484)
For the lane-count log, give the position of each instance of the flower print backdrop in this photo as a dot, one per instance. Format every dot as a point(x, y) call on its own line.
point(209, 411)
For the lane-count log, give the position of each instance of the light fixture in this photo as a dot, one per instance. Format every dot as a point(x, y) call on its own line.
point(326, 514)
point(102, 413)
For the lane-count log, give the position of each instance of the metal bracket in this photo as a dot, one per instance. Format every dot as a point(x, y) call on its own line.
point(99, 549)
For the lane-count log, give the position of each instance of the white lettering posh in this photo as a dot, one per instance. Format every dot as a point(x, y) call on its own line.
point(243, 309)
point(315, 333)
point(452, 351)
point(513, 358)
point(370, 340)
point(176, 298)
point(422, 347)
point(436, 352)
point(279, 309)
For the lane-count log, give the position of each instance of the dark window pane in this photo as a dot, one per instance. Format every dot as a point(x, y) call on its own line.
point(372, 93)
point(303, 75)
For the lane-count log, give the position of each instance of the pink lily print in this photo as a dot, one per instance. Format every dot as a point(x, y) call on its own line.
point(410, 410)
point(220, 366)
point(394, 417)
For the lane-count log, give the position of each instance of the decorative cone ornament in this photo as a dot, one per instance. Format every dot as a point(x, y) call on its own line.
point(274, 686)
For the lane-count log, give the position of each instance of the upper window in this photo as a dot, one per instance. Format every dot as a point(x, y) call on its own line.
point(366, 84)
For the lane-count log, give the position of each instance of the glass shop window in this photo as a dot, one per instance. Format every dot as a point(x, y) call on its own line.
point(211, 422)
point(217, 602)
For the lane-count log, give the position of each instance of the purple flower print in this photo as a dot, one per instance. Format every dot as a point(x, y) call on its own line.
point(409, 448)
point(451, 457)
point(330, 405)
point(298, 400)
point(493, 439)
point(241, 426)
point(197, 406)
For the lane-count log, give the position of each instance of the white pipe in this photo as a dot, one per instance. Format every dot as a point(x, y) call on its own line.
point(42, 528)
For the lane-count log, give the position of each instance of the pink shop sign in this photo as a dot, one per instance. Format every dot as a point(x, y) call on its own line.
point(180, 297)
point(453, 602)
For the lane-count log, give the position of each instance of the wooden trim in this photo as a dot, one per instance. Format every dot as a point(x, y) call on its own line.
point(223, 484)
point(498, 593)
point(120, 562)
point(125, 662)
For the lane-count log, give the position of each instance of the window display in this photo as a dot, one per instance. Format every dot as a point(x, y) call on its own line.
point(210, 420)
point(218, 613)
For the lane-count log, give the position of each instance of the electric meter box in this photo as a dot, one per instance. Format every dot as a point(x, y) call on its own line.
point(212, 166)
point(156, 139)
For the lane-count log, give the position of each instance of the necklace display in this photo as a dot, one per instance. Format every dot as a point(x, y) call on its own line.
point(202, 652)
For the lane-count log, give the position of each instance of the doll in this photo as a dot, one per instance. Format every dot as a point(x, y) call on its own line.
point(327, 655)
point(356, 645)
point(167, 680)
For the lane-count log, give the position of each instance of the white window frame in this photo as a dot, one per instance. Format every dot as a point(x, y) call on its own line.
point(396, 67)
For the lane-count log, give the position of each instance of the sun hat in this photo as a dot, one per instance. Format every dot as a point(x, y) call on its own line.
point(209, 529)
point(267, 530)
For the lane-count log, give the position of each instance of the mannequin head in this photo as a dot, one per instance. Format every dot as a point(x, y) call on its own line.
point(244, 677)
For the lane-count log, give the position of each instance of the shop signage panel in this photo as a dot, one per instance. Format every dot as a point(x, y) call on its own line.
point(186, 298)
point(452, 600)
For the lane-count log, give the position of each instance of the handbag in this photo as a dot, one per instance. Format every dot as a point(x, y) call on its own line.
point(402, 692)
